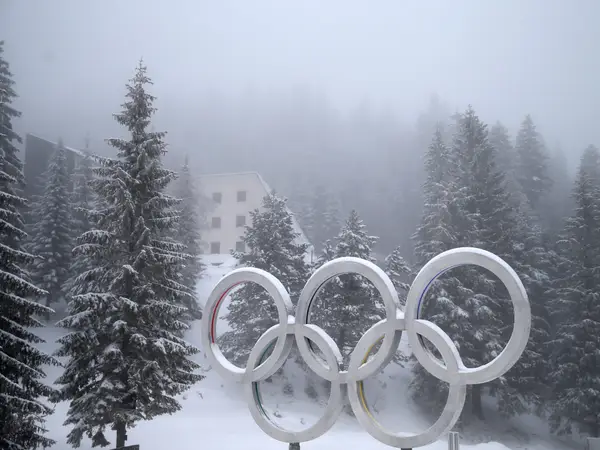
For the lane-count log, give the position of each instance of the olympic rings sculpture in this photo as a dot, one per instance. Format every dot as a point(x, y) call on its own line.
point(280, 338)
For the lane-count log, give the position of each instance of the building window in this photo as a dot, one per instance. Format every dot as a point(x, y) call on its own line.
point(240, 221)
point(215, 248)
point(240, 246)
point(241, 196)
point(216, 222)
point(217, 197)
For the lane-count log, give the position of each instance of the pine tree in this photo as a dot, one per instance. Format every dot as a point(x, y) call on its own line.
point(82, 202)
point(506, 227)
point(436, 233)
point(532, 172)
point(127, 359)
point(51, 232)
point(272, 245)
point(22, 389)
point(399, 272)
point(321, 219)
point(188, 233)
point(557, 204)
point(506, 161)
point(348, 304)
point(470, 305)
point(575, 375)
point(524, 388)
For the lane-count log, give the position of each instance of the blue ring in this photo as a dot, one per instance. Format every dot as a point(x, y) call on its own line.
point(425, 291)
point(429, 284)
point(256, 389)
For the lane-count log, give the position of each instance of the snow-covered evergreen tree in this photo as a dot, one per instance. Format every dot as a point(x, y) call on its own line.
point(126, 358)
point(399, 272)
point(52, 230)
point(435, 234)
point(22, 389)
point(348, 304)
point(532, 171)
point(507, 228)
point(82, 202)
point(576, 379)
point(188, 233)
point(320, 219)
point(557, 205)
point(272, 245)
point(467, 303)
point(506, 161)
point(524, 388)
point(506, 158)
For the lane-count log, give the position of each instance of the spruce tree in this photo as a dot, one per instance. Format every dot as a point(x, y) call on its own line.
point(188, 233)
point(399, 272)
point(272, 245)
point(524, 388)
point(468, 303)
point(557, 204)
point(532, 172)
point(82, 202)
point(126, 358)
point(435, 234)
point(507, 228)
point(52, 230)
point(506, 161)
point(348, 304)
point(22, 388)
point(321, 218)
point(576, 379)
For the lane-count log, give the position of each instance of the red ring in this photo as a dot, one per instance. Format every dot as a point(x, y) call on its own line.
point(215, 309)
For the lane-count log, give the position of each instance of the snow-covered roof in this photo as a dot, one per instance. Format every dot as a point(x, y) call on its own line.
point(303, 239)
point(70, 149)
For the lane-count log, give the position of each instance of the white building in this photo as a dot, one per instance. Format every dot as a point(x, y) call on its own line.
point(232, 196)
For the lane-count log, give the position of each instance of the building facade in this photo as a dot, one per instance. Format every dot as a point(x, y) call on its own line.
point(38, 152)
point(231, 197)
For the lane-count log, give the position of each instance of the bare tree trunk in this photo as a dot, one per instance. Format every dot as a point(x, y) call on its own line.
point(476, 405)
point(121, 434)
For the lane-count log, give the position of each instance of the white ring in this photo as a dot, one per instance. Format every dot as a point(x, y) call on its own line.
point(454, 402)
point(389, 295)
point(334, 404)
point(522, 315)
point(451, 369)
point(284, 307)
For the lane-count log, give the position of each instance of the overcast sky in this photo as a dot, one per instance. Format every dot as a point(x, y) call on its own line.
point(71, 58)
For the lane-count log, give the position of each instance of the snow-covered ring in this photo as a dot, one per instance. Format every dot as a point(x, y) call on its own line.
point(335, 402)
point(388, 293)
point(451, 370)
point(522, 316)
point(454, 403)
point(284, 306)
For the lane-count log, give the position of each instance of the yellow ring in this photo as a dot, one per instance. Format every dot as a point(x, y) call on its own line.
point(361, 386)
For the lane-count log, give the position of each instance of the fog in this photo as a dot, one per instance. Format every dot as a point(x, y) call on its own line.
point(261, 80)
point(507, 58)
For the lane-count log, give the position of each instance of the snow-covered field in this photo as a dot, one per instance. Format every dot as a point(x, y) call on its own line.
point(214, 414)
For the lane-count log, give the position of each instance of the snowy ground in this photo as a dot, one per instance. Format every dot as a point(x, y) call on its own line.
point(214, 415)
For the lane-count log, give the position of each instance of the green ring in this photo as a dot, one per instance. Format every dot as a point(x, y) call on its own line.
point(256, 390)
